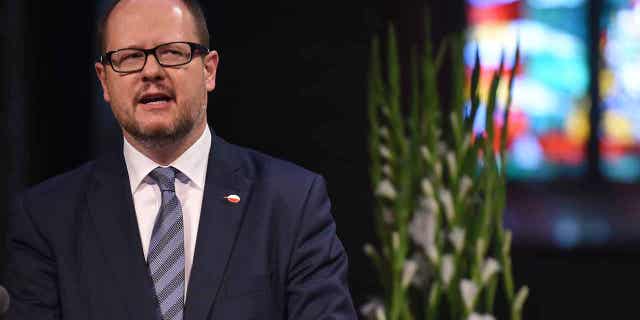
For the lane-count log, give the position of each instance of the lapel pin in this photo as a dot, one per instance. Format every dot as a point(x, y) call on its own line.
point(233, 198)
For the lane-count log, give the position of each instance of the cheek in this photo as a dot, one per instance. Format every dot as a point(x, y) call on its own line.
point(191, 91)
point(121, 94)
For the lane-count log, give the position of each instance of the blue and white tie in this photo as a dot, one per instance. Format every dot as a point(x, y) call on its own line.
point(166, 252)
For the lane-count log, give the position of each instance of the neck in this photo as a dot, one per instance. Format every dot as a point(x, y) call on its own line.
point(167, 153)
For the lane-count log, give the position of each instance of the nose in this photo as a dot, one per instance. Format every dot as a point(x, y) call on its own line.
point(152, 69)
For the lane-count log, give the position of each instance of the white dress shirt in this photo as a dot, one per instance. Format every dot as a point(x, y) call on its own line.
point(147, 197)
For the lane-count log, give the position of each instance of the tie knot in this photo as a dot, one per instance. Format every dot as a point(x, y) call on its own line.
point(165, 177)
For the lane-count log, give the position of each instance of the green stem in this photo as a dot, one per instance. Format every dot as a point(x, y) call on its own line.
point(434, 301)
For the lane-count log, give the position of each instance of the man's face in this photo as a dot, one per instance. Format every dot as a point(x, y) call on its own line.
point(157, 104)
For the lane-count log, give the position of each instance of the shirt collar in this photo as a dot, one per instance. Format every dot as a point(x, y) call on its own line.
point(192, 163)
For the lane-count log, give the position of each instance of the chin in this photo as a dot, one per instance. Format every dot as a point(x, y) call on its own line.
point(158, 130)
point(157, 124)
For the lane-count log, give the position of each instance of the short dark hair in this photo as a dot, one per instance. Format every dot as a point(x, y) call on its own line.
point(192, 5)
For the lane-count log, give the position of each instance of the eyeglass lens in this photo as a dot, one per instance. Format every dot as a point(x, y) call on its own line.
point(171, 54)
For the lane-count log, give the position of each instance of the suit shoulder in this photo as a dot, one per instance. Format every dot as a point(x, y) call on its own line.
point(63, 185)
point(263, 167)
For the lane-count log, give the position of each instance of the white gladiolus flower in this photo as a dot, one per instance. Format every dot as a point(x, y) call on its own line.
point(408, 272)
point(442, 148)
point(422, 229)
point(451, 163)
point(430, 205)
point(373, 310)
point(475, 316)
point(369, 250)
point(395, 241)
point(386, 190)
point(469, 292)
point(385, 152)
point(447, 202)
point(386, 169)
point(387, 216)
point(426, 154)
point(489, 268)
point(427, 187)
point(506, 245)
point(423, 274)
point(521, 296)
point(447, 269)
point(384, 132)
point(465, 185)
point(385, 109)
point(456, 236)
point(437, 168)
point(432, 253)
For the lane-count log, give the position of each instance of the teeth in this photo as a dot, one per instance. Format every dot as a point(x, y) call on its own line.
point(157, 102)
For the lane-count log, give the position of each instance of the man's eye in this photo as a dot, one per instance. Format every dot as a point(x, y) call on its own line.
point(133, 55)
point(170, 52)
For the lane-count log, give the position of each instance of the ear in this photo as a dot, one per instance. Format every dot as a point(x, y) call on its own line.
point(210, 68)
point(102, 76)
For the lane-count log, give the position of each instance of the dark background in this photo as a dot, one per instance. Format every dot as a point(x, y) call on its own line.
point(291, 83)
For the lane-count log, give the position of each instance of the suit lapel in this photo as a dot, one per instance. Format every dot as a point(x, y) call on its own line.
point(112, 208)
point(220, 221)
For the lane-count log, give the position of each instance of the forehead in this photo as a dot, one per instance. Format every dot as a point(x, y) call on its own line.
point(146, 23)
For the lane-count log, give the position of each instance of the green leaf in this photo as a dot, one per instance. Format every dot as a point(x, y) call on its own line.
point(521, 297)
point(490, 294)
point(491, 106)
point(394, 100)
point(414, 116)
point(475, 96)
point(457, 96)
point(434, 301)
point(505, 119)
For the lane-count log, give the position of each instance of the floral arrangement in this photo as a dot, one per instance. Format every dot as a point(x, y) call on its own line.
point(440, 190)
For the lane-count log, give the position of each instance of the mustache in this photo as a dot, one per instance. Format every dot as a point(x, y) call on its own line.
point(155, 88)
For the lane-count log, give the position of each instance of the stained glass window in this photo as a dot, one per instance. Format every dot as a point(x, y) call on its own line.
point(620, 90)
point(549, 122)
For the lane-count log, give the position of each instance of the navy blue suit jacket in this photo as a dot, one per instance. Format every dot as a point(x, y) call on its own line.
point(74, 249)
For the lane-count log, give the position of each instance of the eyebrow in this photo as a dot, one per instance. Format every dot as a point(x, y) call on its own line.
point(141, 48)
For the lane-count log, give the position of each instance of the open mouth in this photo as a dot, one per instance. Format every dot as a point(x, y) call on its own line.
point(156, 98)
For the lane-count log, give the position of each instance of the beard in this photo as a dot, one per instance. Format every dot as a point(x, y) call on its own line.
point(162, 136)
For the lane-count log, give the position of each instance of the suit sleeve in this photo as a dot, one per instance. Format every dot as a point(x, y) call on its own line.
point(317, 279)
point(31, 276)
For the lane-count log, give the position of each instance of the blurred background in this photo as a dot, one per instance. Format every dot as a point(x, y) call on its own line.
point(292, 83)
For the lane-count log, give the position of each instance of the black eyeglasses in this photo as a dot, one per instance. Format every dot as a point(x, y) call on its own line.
point(170, 54)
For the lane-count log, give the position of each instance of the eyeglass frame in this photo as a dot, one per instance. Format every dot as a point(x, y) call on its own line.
point(196, 49)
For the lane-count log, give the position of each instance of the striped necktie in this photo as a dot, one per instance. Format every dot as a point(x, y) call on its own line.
point(166, 252)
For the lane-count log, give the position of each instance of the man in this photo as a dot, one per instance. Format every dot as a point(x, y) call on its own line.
point(179, 224)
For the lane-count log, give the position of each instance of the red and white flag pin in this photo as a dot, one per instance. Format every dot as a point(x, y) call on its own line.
point(233, 198)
